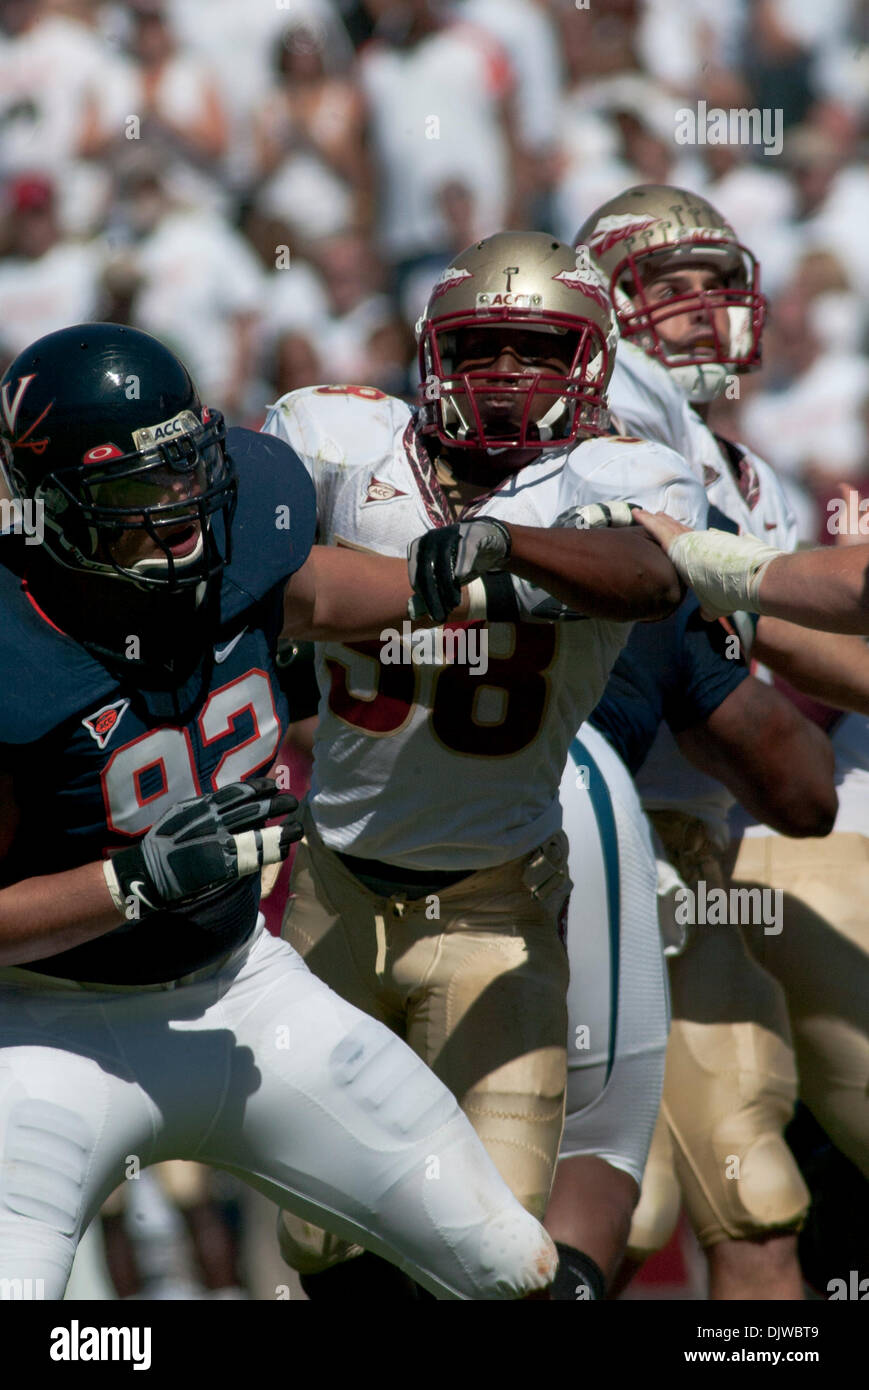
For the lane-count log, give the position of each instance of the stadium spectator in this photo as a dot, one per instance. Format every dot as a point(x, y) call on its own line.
point(46, 280)
point(200, 287)
point(313, 105)
point(439, 95)
point(160, 95)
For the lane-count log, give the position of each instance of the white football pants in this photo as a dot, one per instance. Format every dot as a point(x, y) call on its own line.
point(260, 1069)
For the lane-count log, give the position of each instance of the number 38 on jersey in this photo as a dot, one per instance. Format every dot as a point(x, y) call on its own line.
point(490, 714)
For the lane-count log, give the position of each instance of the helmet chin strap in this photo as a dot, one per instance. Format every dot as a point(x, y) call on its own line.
point(701, 382)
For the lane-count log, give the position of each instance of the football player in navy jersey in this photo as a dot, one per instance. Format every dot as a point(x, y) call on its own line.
point(142, 1009)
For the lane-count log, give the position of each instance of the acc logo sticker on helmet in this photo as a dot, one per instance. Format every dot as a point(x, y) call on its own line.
point(183, 423)
point(502, 300)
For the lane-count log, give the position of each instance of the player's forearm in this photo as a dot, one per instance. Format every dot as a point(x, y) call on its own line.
point(614, 574)
point(774, 761)
point(343, 595)
point(827, 589)
point(42, 916)
point(829, 666)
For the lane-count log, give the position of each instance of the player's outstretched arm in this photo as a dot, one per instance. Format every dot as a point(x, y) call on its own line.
point(347, 595)
point(829, 666)
point(778, 764)
point(826, 588)
point(606, 573)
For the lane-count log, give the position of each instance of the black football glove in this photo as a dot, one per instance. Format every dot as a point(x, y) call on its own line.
point(205, 843)
point(439, 562)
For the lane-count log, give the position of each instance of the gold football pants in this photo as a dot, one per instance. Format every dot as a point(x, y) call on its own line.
point(730, 1081)
point(821, 958)
point(474, 978)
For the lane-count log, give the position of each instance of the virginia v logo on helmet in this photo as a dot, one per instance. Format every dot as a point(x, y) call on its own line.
point(516, 347)
point(684, 289)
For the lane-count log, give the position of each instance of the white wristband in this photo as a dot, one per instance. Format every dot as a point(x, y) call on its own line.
point(476, 601)
point(114, 887)
point(725, 571)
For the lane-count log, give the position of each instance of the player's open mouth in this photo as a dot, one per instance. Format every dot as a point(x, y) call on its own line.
point(182, 540)
point(702, 346)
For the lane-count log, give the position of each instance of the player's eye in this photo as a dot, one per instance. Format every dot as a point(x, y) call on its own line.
point(151, 488)
point(663, 290)
point(469, 349)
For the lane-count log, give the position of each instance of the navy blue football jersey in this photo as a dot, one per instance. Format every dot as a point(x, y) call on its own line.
point(96, 760)
point(676, 670)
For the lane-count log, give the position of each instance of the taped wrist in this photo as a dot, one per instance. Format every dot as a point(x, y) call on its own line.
point(594, 515)
point(492, 598)
point(114, 887)
point(725, 571)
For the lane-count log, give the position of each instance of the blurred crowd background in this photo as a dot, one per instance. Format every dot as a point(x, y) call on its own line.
point(271, 186)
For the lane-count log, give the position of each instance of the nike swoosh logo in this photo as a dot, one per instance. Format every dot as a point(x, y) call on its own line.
point(137, 886)
point(220, 654)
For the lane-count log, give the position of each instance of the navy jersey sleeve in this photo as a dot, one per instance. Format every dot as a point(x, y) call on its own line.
point(676, 670)
point(709, 670)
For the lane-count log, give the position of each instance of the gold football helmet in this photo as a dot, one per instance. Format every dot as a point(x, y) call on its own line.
point(649, 230)
point(516, 346)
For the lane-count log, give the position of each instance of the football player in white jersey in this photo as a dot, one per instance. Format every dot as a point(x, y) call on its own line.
point(436, 911)
point(688, 302)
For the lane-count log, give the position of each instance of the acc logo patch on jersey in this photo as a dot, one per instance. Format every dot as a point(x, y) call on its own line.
point(103, 723)
point(381, 492)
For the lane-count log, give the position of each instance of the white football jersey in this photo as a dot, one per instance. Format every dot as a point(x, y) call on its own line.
point(453, 764)
point(645, 400)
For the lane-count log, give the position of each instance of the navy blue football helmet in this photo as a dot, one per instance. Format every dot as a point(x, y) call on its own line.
point(102, 425)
